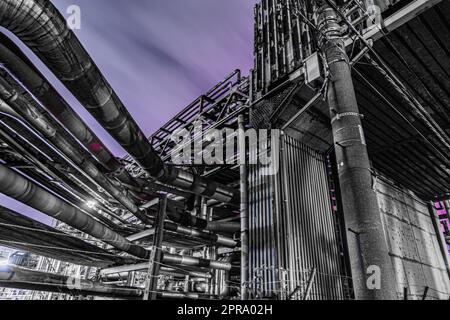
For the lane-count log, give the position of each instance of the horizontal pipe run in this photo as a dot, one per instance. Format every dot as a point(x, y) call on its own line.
point(11, 221)
point(44, 30)
point(14, 60)
point(17, 187)
point(209, 237)
point(21, 102)
point(188, 220)
point(20, 278)
point(174, 259)
point(13, 141)
point(183, 295)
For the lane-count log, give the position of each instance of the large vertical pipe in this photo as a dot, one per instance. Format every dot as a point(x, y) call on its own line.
point(156, 255)
point(366, 241)
point(244, 208)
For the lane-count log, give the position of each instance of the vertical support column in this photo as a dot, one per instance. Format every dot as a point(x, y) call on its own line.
point(244, 209)
point(369, 257)
point(212, 256)
point(156, 254)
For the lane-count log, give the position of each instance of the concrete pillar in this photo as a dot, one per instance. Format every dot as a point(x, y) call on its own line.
point(366, 241)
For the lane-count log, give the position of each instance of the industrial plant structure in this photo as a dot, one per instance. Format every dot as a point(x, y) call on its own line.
point(350, 104)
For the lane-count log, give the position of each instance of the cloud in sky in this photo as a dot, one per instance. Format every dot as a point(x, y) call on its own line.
point(158, 55)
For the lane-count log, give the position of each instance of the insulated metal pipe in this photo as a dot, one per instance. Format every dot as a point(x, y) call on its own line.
point(17, 187)
point(366, 240)
point(13, 59)
point(200, 234)
point(174, 259)
point(16, 277)
point(210, 237)
point(123, 270)
point(13, 140)
point(21, 102)
point(11, 221)
point(244, 209)
point(156, 254)
point(41, 27)
point(186, 219)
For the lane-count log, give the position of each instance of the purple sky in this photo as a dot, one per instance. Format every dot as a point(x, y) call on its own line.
point(158, 55)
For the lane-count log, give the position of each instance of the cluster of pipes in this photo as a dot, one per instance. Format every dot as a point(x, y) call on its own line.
point(74, 165)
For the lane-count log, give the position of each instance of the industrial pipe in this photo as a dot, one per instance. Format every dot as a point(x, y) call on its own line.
point(17, 187)
point(123, 270)
point(244, 209)
point(21, 102)
point(20, 278)
point(14, 60)
point(365, 235)
point(16, 277)
point(174, 259)
point(189, 220)
point(43, 29)
point(13, 141)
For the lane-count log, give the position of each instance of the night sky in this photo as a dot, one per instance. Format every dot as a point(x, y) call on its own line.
point(158, 55)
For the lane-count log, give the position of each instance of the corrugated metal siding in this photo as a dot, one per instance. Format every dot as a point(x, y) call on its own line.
point(262, 232)
point(413, 245)
point(292, 227)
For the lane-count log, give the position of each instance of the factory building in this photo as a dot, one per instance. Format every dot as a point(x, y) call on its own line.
point(321, 174)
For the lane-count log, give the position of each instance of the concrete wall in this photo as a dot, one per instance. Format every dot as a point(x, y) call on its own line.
point(414, 246)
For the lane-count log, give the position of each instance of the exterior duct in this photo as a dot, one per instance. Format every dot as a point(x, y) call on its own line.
point(41, 27)
point(16, 186)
